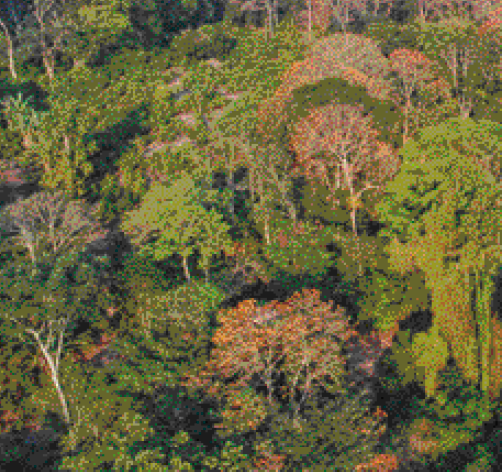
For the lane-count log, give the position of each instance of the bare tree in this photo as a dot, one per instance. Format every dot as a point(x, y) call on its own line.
point(50, 221)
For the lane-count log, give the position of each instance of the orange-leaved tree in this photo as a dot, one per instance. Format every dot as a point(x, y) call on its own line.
point(286, 350)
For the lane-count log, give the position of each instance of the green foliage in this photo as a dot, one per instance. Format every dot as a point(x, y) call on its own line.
point(479, 57)
point(106, 426)
point(298, 249)
point(63, 165)
point(203, 79)
point(171, 328)
point(454, 150)
point(11, 147)
point(206, 42)
point(156, 22)
point(114, 199)
point(431, 354)
point(349, 435)
point(17, 377)
point(392, 36)
point(458, 410)
point(305, 99)
point(398, 367)
point(140, 273)
point(388, 297)
point(180, 223)
point(229, 456)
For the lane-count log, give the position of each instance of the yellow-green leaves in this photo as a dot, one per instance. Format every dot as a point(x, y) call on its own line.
point(103, 16)
point(431, 354)
point(174, 220)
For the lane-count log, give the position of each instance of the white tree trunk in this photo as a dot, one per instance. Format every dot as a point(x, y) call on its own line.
point(10, 50)
point(54, 371)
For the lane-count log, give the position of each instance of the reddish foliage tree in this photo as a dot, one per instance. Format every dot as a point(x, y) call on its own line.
point(300, 338)
point(337, 145)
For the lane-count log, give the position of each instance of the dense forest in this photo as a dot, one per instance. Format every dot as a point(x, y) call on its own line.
point(250, 235)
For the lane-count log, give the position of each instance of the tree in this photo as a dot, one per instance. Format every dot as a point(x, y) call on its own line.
point(55, 28)
point(268, 182)
point(46, 30)
point(272, 11)
point(299, 337)
point(416, 75)
point(11, 27)
point(442, 9)
point(449, 178)
point(10, 50)
point(337, 146)
point(173, 220)
point(343, 11)
point(41, 307)
point(156, 22)
point(459, 47)
point(49, 223)
point(271, 368)
point(64, 164)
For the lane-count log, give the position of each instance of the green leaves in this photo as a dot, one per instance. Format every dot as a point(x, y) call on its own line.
point(299, 248)
point(176, 219)
point(104, 16)
point(431, 354)
point(106, 424)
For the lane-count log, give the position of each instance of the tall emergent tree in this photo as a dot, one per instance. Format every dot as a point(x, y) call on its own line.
point(443, 216)
point(42, 294)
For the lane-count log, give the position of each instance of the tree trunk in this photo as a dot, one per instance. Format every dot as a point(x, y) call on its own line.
point(10, 50)
point(231, 185)
point(55, 379)
point(267, 231)
point(185, 267)
point(310, 20)
point(48, 67)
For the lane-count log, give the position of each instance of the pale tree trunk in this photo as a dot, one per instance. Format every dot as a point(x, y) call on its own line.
point(421, 11)
point(267, 231)
point(310, 20)
point(53, 364)
point(48, 55)
point(10, 48)
point(185, 267)
point(49, 68)
point(269, 29)
point(54, 374)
